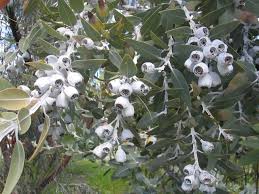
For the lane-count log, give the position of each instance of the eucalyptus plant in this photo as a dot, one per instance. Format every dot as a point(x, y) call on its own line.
point(164, 93)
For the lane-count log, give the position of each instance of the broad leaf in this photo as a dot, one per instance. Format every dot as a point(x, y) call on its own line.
point(14, 99)
point(127, 67)
point(4, 84)
point(16, 168)
point(179, 81)
point(52, 32)
point(77, 5)
point(90, 30)
point(115, 58)
point(223, 30)
point(147, 51)
point(66, 13)
point(43, 136)
point(24, 119)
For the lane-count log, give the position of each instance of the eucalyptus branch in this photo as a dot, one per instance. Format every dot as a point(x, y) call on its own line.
point(246, 40)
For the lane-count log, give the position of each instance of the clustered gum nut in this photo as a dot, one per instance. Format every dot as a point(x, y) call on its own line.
point(87, 43)
point(193, 41)
point(206, 146)
point(196, 57)
point(190, 183)
point(125, 90)
point(139, 87)
point(200, 69)
point(104, 131)
point(201, 32)
point(102, 150)
point(212, 50)
point(189, 169)
point(197, 178)
point(120, 155)
point(148, 67)
point(204, 41)
point(126, 135)
point(240, 3)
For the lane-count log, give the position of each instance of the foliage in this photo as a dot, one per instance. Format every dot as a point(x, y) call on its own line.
point(138, 105)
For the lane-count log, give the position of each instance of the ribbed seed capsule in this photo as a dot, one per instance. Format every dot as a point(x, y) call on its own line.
point(200, 69)
point(125, 90)
point(148, 67)
point(205, 81)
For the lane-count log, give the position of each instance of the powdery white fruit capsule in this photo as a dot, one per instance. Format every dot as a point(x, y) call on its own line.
point(206, 146)
point(205, 81)
point(196, 56)
point(189, 64)
point(120, 155)
point(61, 30)
point(210, 52)
point(102, 150)
point(186, 187)
point(225, 70)
point(71, 93)
point(128, 112)
point(240, 3)
point(201, 32)
point(225, 59)
point(57, 80)
point(40, 73)
point(193, 41)
point(65, 61)
point(122, 103)
point(87, 43)
point(139, 87)
point(228, 136)
point(125, 90)
point(51, 59)
point(192, 180)
point(48, 103)
point(189, 169)
point(42, 84)
point(35, 94)
point(104, 131)
point(61, 100)
point(216, 81)
point(25, 89)
point(207, 188)
point(148, 67)
point(204, 41)
point(62, 46)
point(74, 78)
point(69, 34)
point(114, 85)
point(220, 45)
point(84, 15)
point(200, 69)
point(206, 178)
point(126, 135)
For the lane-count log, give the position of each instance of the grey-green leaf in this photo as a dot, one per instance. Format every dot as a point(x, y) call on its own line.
point(16, 168)
point(127, 67)
point(147, 51)
point(24, 119)
point(180, 82)
point(90, 30)
point(66, 13)
point(77, 5)
point(223, 30)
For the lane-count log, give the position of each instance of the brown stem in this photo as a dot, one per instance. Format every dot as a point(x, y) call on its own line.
point(54, 174)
